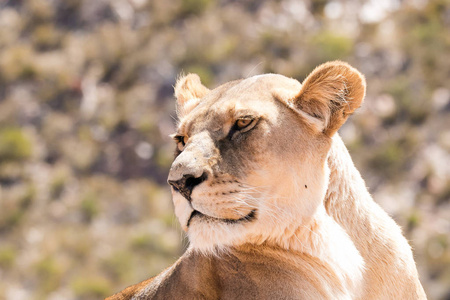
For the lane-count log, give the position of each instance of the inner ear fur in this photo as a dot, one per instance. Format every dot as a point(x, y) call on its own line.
point(332, 92)
point(188, 91)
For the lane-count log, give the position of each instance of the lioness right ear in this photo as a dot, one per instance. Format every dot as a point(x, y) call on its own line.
point(332, 92)
point(188, 91)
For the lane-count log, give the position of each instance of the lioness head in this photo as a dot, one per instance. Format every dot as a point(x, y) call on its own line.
point(250, 162)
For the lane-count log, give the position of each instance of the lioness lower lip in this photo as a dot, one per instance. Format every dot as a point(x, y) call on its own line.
point(250, 217)
point(193, 214)
point(247, 218)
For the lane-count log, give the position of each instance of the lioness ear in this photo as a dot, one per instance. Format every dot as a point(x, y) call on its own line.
point(332, 92)
point(188, 91)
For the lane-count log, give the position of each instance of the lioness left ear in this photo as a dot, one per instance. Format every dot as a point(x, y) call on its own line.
point(332, 92)
point(188, 91)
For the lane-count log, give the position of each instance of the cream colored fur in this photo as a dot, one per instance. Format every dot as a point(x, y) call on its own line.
point(280, 194)
point(390, 269)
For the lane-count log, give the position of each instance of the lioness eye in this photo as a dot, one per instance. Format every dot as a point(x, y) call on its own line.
point(242, 123)
point(181, 141)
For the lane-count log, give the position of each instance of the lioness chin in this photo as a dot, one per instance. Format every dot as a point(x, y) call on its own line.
point(270, 199)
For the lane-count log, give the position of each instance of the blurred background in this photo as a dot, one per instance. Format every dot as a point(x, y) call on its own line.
point(86, 106)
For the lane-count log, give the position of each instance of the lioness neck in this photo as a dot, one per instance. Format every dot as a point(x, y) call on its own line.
point(390, 269)
point(321, 238)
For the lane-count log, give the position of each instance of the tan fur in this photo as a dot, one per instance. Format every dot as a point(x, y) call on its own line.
point(282, 212)
point(188, 91)
point(390, 269)
point(332, 92)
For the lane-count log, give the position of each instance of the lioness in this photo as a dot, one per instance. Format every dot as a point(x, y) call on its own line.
point(270, 199)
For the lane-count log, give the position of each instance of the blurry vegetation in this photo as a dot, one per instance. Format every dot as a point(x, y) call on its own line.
point(13, 210)
point(195, 7)
point(393, 155)
point(91, 288)
point(89, 207)
point(14, 145)
point(48, 272)
point(331, 46)
point(7, 257)
point(57, 187)
point(118, 265)
point(86, 108)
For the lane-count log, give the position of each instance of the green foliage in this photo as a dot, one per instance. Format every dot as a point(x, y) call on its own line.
point(57, 187)
point(331, 46)
point(414, 220)
point(89, 207)
point(28, 197)
point(164, 157)
point(7, 257)
point(194, 7)
point(428, 42)
point(411, 105)
point(14, 208)
point(47, 267)
point(17, 63)
point(143, 242)
point(393, 156)
point(388, 158)
point(14, 145)
point(46, 37)
point(118, 265)
point(205, 73)
point(91, 287)
point(49, 274)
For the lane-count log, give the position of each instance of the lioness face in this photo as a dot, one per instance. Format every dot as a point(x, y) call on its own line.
point(246, 164)
point(249, 164)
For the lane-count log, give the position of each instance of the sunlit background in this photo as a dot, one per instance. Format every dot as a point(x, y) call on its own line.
point(86, 107)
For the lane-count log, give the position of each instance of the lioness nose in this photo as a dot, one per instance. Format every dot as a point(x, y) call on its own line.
point(186, 184)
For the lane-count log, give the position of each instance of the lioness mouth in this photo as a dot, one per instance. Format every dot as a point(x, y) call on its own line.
point(248, 218)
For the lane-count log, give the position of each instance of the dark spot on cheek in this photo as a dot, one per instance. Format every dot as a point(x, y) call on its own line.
point(233, 157)
point(306, 186)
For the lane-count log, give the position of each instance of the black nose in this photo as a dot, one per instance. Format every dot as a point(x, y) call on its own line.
point(186, 184)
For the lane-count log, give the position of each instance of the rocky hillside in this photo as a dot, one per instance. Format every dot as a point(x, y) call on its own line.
point(86, 108)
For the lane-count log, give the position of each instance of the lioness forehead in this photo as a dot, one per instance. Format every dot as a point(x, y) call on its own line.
point(253, 96)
